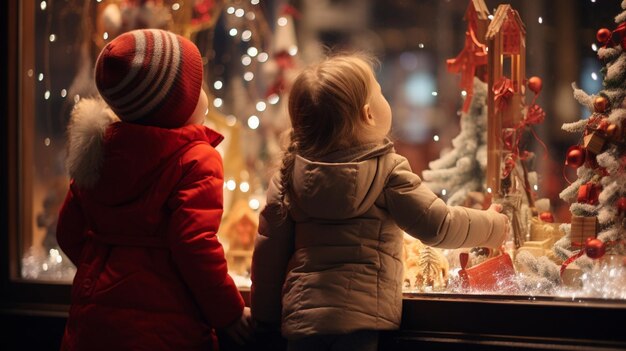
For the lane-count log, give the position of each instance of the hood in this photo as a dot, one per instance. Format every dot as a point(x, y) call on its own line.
point(341, 185)
point(114, 160)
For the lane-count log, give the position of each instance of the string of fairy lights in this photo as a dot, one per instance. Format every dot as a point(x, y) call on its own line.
point(245, 24)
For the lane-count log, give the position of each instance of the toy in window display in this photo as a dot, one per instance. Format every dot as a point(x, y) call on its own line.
point(425, 268)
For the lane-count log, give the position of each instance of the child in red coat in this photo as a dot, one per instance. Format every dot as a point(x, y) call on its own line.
point(144, 205)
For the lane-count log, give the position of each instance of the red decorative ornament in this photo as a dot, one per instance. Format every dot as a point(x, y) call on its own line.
point(603, 35)
point(595, 248)
point(621, 205)
point(575, 156)
point(535, 84)
point(546, 217)
point(600, 104)
point(612, 131)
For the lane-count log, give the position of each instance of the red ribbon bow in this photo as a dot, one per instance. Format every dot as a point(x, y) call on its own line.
point(504, 91)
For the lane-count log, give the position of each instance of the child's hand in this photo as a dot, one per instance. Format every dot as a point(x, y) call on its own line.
point(507, 225)
point(241, 330)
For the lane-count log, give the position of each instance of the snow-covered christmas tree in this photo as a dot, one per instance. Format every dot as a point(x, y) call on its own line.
point(462, 169)
point(598, 195)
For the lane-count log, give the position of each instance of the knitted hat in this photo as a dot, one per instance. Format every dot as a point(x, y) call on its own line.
point(150, 77)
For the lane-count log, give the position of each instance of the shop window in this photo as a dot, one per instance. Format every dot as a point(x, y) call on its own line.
point(252, 48)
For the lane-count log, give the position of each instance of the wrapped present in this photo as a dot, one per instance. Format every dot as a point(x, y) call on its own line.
point(589, 193)
point(540, 231)
point(583, 228)
point(594, 142)
point(494, 274)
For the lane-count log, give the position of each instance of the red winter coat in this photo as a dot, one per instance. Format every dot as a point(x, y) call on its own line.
point(151, 272)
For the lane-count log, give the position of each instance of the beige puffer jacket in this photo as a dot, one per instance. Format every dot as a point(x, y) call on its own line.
point(334, 265)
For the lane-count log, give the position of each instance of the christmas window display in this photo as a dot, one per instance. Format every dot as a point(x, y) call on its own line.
point(252, 49)
point(584, 258)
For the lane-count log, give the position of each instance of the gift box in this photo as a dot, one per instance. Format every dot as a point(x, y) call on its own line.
point(594, 142)
point(493, 275)
point(583, 228)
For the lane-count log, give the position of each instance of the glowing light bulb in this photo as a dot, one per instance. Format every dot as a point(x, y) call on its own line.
point(252, 51)
point(282, 21)
point(293, 50)
point(436, 137)
point(540, 19)
point(232, 32)
point(246, 35)
point(273, 99)
point(63, 93)
point(46, 95)
point(246, 60)
point(254, 204)
point(43, 5)
point(230, 10)
point(231, 120)
point(175, 6)
point(261, 106)
point(218, 102)
point(463, 93)
point(53, 38)
point(217, 85)
point(244, 187)
point(239, 13)
point(263, 57)
point(444, 192)
point(253, 122)
point(231, 185)
point(248, 76)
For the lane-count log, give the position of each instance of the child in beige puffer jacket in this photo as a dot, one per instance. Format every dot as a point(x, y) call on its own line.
point(327, 265)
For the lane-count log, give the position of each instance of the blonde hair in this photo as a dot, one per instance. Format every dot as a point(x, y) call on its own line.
point(325, 106)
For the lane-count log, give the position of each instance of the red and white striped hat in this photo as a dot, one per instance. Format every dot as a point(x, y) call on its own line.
point(150, 77)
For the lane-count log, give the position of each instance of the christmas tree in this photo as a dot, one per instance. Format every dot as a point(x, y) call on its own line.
point(598, 195)
point(462, 169)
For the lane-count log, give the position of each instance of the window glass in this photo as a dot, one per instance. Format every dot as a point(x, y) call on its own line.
point(480, 94)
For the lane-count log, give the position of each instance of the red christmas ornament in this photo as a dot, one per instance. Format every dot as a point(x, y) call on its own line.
point(612, 131)
point(621, 205)
point(600, 104)
point(575, 156)
point(535, 84)
point(603, 125)
point(603, 35)
point(546, 217)
point(594, 248)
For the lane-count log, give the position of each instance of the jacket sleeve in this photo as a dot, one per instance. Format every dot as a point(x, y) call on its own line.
point(71, 227)
point(197, 207)
point(273, 250)
point(420, 213)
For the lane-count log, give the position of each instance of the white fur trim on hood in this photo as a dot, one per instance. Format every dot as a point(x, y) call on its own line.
point(89, 121)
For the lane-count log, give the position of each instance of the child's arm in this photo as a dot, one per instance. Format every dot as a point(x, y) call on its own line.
point(71, 228)
point(273, 249)
point(196, 214)
point(419, 212)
